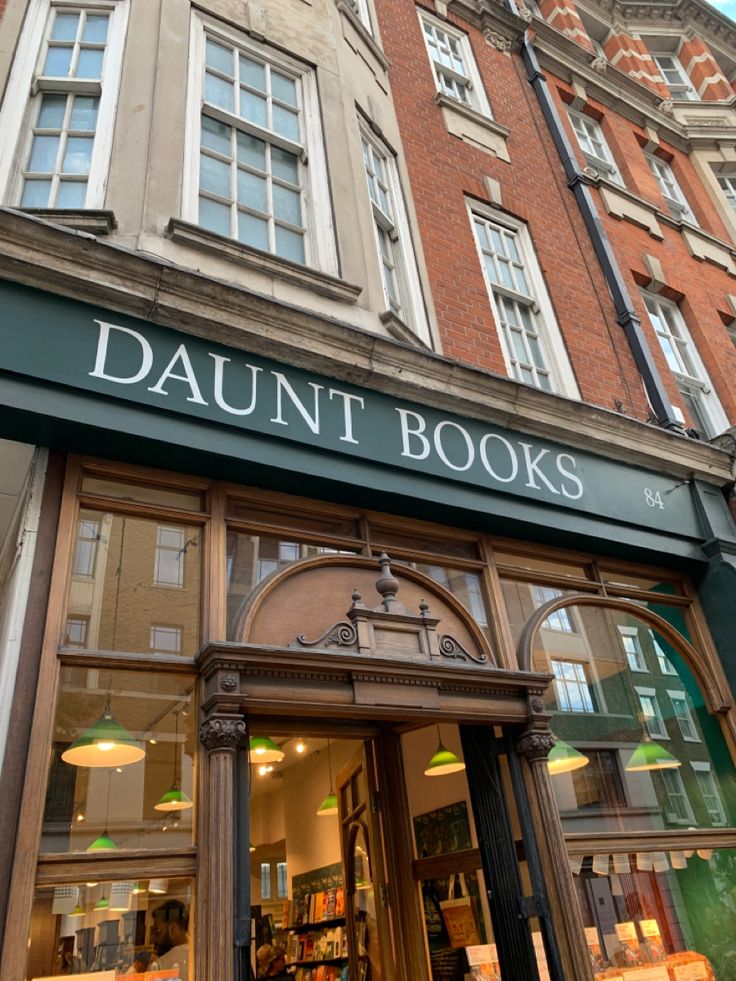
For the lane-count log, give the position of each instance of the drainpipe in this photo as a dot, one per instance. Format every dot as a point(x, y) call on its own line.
point(626, 316)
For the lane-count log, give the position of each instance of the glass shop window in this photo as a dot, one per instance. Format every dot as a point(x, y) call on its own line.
point(121, 773)
point(640, 746)
point(129, 576)
point(251, 558)
point(659, 914)
point(137, 929)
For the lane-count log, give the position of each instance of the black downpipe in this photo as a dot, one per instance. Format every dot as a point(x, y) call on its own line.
point(241, 859)
point(625, 314)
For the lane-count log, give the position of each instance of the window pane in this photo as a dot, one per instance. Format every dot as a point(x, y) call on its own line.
point(58, 62)
point(71, 194)
point(65, 26)
point(89, 64)
point(118, 560)
point(252, 73)
point(252, 191)
point(252, 151)
point(123, 927)
point(51, 113)
point(284, 165)
point(214, 216)
point(84, 113)
point(287, 205)
point(289, 244)
point(216, 136)
point(36, 194)
point(214, 176)
point(218, 92)
point(219, 57)
point(111, 788)
point(253, 231)
point(43, 154)
point(95, 28)
point(286, 123)
point(78, 155)
point(283, 88)
point(254, 108)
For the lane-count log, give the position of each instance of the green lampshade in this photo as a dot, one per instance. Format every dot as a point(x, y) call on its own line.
point(103, 843)
point(77, 911)
point(106, 743)
point(328, 807)
point(264, 750)
point(649, 755)
point(444, 761)
point(174, 800)
point(138, 888)
point(102, 904)
point(564, 758)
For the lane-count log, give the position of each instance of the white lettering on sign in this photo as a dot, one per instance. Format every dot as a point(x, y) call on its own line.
point(443, 443)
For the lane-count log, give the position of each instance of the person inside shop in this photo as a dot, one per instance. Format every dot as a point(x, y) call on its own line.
point(141, 962)
point(170, 938)
point(271, 963)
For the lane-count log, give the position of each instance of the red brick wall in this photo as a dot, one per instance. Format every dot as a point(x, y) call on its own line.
point(444, 169)
point(699, 287)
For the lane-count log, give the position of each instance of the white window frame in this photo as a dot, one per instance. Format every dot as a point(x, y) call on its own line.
point(319, 239)
point(553, 347)
point(157, 630)
point(396, 226)
point(700, 769)
point(658, 731)
point(684, 719)
point(19, 111)
point(470, 79)
point(669, 187)
point(682, 89)
point(727, 184)
point(581, 683)
point(635, 658)
point(361, 11)
point(688, 818)
point(691, 375)
point(604, 164)
point(561, 621)
point(665, 665)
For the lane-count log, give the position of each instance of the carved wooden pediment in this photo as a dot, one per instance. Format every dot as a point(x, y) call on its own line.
point(305, 607)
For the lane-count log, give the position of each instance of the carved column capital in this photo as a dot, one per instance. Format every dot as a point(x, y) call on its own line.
point(222, 732)
point(535, 744)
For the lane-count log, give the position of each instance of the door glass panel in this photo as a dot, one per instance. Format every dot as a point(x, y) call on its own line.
point(311, 874)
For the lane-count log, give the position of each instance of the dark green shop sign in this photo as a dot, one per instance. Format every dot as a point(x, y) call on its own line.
point(73, 344)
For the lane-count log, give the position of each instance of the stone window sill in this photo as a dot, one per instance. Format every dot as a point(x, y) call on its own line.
point(473, 127)
point(363, 33)
point(186, 233)
point(622, 203)
point(91, 221)
point(401, 331)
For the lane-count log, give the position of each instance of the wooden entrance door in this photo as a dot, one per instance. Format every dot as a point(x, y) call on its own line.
point(370, 948)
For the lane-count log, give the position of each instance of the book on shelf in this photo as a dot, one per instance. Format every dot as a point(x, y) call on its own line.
point(328, 904)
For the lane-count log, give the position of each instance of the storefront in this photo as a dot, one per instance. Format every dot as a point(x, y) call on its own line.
point(252, 727)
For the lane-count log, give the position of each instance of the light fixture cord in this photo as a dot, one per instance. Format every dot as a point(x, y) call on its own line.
point(176, 749)
point(107, 806)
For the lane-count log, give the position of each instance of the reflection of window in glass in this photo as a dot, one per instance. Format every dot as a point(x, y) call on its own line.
point(634, 653)
point(85, 552)
point(560, 619)
point(599, 783)
point(710, 793)
point(165, 640)
point(652, 714)
point(169, 562)
point(265, 880)
point(76, 632)
point(282, 882)
point(665, 665)
point(571, 685)
point(681, 711)
point(678, 804)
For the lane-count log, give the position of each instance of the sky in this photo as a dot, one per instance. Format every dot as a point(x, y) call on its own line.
point(727, 7)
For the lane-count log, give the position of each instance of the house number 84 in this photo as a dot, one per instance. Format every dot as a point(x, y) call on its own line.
point(653, 498)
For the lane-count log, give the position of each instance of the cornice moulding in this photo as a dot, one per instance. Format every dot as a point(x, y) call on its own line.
point(73, 264)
